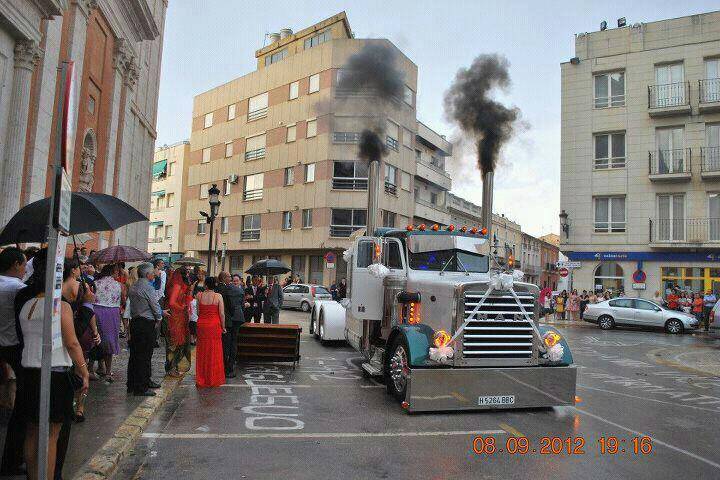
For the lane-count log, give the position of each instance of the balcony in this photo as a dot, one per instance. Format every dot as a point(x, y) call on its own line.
point(710, 163)
point(255, 154)
point(669, 165)
point(257, 114)
point(349, 183)
point(669, 99)
point(346, 137)
point(343, 231)
point(434, 175)
point(531, 270)
point(430, 211)
point(684, 232)
point(390, 188)
point(392, 143)
point(252, 234)
point(709, 91)
point(156, 240)
point(255, 194)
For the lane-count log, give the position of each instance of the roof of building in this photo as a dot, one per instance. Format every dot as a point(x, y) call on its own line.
point(340, 17)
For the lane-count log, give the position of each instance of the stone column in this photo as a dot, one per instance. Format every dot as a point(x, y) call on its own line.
point(27, 55)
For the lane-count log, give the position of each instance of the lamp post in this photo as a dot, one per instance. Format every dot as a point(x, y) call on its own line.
point(564, 225)
point(214, 201)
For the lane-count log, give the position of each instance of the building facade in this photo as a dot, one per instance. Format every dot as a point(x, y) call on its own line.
point(432, 182)
point(640, 156)
point(530, 258)
point(549, 256)
point(116, 48)
point(169, 173)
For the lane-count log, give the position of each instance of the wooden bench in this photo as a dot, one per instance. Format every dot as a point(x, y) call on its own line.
point(265, 342)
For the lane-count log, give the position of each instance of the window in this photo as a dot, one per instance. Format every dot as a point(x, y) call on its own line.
point(670, 156)
point(258, 106)
point(236, 263)
point(307, 218)
point(710, 86)
point(171, 169)
point(224, 224)
point(438, 162)
point(291, 133)
point(170, 199)
point(346, 137)
point(309, 172)
point(287, 220)
point(204, 190)
point(228, 149)
point(391, 256)
point(609, 150)
point(294, 90)
point(206, 155)
point(407, 138)
point(253, 187)
point(418, 155)
point(168, 232)
point(671, 217)
point(608, 276)
point(314, 85)
point(390, 179)
point(231, 111)
point(208, 120)
point(669, 88)
point(311, 128)
point(622, 303)
point(316, 40)
point(408, 95)
point(276, 57)
point(433, 198)
point(255, 147)
point(297, 263)
point(711, 153)
point(645, 305)
point(388, 219)
point(202, 227)
point(714, 216)
point(344, 221)
point(405, 183)
point(610, 90)
point(609, 214)
point(316, 270)
point(226, 186)
point(250, 227)
point(392, 132)
point(349, 175)
point(365, 252)
point(289, 176)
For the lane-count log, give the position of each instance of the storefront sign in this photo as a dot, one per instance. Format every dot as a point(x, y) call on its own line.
point(705, 256)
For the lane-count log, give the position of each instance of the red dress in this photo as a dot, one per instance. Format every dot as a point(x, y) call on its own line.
point(209, 366)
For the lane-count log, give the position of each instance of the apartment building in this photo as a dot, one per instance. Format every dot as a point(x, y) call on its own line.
point(169, 171)
point(281, 144)
point(530, 258)
point(640, 156)
point(432, 182)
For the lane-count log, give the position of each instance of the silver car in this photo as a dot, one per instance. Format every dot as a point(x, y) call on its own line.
point(639, 313)
point(303, 295)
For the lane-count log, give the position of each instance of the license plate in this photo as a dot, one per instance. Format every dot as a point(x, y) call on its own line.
point(496, 400)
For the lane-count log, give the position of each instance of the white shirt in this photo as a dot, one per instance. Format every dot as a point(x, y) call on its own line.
point(9, 286)
point(163, 279)
point(31, 325)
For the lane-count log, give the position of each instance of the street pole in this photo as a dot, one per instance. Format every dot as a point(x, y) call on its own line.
point(210, 243)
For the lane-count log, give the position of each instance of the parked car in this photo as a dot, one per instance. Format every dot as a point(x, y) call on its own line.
point(303, 296)
point(639, 313)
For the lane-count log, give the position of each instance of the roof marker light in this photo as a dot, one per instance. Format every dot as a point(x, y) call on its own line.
point(451, 228)
point(409, 228)
point(436, 227)
point(422, 227)
point(463, 228)
point(484, 231)
point(473, 230)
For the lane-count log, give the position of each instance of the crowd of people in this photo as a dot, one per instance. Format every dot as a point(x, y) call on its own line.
point(101, 305)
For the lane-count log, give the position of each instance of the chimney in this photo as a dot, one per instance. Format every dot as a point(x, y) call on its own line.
point(274, 37)
point(285, 32)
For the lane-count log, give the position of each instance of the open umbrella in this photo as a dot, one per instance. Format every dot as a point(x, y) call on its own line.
point(189, 262)
point(119, 253)
point(91, 212)
point(269, 266)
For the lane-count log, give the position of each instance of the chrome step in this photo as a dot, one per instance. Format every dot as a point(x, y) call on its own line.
point(372, 370)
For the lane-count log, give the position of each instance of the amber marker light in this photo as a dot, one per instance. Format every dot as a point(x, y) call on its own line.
point(451, 228)
point(409, 228)
point(422, 227)
point(484, 231)
point(463, 228)
point(473, 230)
point(577, 400)
point(436, 227)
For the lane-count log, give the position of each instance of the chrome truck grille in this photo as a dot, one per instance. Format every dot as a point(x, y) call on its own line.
point(498, 334)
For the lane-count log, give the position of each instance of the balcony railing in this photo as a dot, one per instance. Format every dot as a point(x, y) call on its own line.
point(667, 162)
point(669, 95)
point(156, 240)
point(262, 113)
point(346, 137)
point(710, 159)
point(684, 230)
point(256, 194)
point(709, 90)
point(343, 231)
point(250, 234)
point(349, 183)
point(255, 154)
point(392, 143)
point(390, 188)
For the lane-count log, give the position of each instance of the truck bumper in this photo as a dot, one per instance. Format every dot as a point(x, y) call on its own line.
point(438, 389)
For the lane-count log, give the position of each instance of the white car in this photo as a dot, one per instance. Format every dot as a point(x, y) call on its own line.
point(327, 321)
point(303, 295)
point(639, 313)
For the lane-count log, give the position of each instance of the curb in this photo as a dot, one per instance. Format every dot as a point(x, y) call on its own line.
point(668, 357)
point(103, 464)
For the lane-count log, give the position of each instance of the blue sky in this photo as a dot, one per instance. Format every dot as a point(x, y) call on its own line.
point(210, 42)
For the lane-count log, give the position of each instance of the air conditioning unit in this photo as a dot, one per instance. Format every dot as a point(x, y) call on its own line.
point(234, 178)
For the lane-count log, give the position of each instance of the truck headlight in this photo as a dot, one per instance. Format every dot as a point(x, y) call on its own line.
point(441, 339)
point(551, 339)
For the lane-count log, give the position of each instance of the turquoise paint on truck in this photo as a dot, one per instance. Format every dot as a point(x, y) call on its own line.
point(419, 340)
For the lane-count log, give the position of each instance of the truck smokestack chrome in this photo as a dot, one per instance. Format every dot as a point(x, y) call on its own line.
point(434, 243)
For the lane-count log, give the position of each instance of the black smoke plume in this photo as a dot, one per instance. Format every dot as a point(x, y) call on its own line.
point(372, 147)
point(468, 103)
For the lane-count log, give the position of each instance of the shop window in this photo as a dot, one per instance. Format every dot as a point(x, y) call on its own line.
point(609, 276)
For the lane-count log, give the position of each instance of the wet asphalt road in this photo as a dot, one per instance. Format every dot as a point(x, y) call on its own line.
point(346, 427)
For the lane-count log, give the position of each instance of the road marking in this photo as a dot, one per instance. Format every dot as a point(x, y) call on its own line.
point(654, 440)
point(237, 385)
point(203, 436)
point(510, 430)
point(681, 405)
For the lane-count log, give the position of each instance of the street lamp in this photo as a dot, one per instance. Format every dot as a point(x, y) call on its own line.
point(564, 225)
point(214, 201)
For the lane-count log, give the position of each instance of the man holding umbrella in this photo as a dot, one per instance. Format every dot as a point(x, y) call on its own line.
point(274, 301)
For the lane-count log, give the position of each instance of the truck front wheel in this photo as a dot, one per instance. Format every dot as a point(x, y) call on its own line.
point(397, 368)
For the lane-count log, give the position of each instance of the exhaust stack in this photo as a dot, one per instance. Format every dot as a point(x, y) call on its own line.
point(373, 189)
point(487, 203)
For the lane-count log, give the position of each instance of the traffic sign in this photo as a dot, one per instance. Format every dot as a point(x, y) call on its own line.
point(568, 264)
point(564, 272)
point(330, 257)
point(639, 276)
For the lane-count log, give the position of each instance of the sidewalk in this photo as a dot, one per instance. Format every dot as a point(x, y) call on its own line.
point(703, 359)
point(107, 408)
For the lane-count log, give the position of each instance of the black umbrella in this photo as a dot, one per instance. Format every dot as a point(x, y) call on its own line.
point(269, 266)
point(91, 212)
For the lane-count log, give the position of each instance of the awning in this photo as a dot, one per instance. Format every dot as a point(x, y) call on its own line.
point(156, 224)
point(158, 193)
point(159, 168)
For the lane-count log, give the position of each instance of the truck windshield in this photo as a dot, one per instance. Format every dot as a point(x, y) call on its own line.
point(435, 261)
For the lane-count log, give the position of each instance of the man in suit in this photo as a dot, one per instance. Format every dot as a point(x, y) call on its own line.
point(255, 294)
point(274, 301)
point(234, 301)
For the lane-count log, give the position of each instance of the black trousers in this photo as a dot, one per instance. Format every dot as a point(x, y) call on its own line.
point(706, 317)
point(15, 436)
point(257, 315)
point(230, 346)
point(142, 342)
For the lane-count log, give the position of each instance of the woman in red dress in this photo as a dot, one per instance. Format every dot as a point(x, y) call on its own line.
point(177, 331)
point(209, 367)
